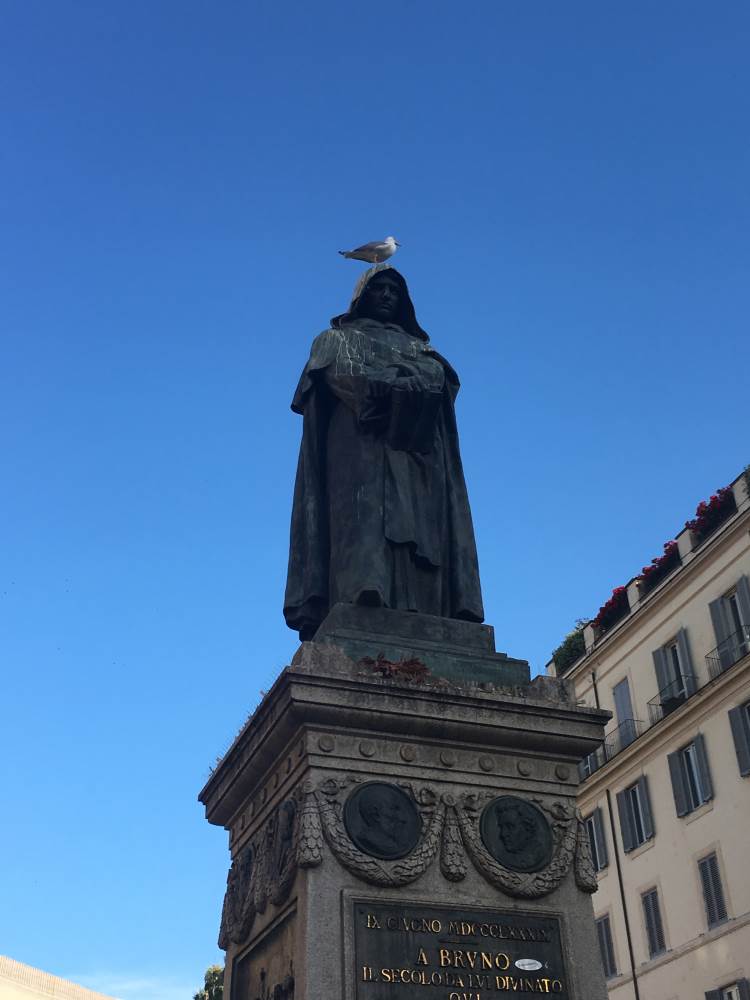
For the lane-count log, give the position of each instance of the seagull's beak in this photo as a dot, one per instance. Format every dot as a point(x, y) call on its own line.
point(397, 243)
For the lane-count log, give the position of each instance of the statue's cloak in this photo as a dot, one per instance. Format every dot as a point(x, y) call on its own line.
point(381, 513)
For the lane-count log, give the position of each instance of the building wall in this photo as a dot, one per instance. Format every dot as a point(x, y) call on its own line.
point(24, 982)
point(697, 959)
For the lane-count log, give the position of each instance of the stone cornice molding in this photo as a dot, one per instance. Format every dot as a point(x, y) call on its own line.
point(322, 689)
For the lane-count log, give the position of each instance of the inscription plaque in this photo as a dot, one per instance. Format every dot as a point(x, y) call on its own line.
point(460, 954)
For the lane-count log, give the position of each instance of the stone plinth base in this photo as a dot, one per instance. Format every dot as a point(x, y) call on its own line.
point(401, 813)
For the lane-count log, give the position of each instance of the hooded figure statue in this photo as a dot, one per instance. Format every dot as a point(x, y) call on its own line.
point(381, 514)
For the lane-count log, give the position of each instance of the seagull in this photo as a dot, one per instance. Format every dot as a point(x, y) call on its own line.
point(375, 252)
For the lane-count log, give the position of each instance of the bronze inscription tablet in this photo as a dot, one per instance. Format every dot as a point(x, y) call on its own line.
point(405, 952)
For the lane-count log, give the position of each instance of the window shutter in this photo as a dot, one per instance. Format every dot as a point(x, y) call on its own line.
point(713, 995)
point(743, 600)
point(624, 713)
point(713, 893)
point(744, 988)
point(686, 661)
point(721, 631)
point(700, 747)
point(606, 947)
point(660, 665)
point(626, 822)
point(679, 785)
point(741, 736)
point(648, 820)
point(648, 916)
point(601, 840)
point(652, 917)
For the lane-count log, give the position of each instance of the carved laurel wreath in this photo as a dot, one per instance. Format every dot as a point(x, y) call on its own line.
point(293, 837)
point(263, 871)
point(453, 828)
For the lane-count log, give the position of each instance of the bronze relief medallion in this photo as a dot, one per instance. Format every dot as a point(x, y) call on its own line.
point(516, 833)
point(382, 820)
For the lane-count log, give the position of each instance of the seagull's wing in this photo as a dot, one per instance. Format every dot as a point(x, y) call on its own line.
point(373, 247)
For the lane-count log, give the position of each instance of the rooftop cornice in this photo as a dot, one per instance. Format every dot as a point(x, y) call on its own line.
point(691, 563)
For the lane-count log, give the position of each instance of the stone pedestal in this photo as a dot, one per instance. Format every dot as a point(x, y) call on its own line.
point(402, 823)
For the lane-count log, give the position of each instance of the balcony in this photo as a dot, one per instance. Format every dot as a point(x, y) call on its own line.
point(614, 742)
point(719, 660)
point(671, 697)
point(623, 736)
point(592, 762)
point(728, 652)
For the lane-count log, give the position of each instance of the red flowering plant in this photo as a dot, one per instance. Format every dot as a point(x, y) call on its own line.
point(712, 513)
point(610, 613)
point(660, 567)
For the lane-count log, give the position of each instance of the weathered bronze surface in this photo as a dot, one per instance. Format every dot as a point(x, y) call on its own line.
point(468, 954)
point(381, 515)
point(516, 834)
point(382, 820)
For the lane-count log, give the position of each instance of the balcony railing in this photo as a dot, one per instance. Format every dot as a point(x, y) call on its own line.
point(592, 762)
point(624, 735)
point(671, 697)
point(614, 742)
point(728, 652)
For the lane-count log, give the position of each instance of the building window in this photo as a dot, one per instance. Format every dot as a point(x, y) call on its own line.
point(691, 779)
point(739, 720)
point(652, 918)
point(595, 830)
point(739, 990)
point(675, 677)
point(589, 764)
point(626, 730)
point(634, 807)
point(713, 893)
point(604, 933)
point(730, 615)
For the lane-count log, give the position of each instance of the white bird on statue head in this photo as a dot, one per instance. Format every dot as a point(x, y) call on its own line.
point(373, 253)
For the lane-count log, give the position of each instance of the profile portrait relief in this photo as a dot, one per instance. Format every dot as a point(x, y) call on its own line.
point(516, 833)
point(382, 820)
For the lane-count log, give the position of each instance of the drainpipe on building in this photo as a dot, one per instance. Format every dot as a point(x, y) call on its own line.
point(631, 956)
point(622, 893)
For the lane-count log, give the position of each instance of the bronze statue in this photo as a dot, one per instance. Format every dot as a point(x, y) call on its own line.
point(381, 514)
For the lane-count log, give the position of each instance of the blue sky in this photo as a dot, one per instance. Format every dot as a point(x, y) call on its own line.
point(569, 182)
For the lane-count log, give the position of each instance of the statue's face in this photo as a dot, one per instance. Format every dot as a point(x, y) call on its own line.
point(380, 299)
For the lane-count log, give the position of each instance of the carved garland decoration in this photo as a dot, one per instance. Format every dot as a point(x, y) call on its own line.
point(265, 868)
point(383, 873)
point(454, 829)
point(293, 837)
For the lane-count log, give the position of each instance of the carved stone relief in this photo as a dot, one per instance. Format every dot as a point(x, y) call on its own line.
point(281, 991)
point(265, 868)
point(454, 830)
point(330, 799)
point(382, 820)
point(516, 833)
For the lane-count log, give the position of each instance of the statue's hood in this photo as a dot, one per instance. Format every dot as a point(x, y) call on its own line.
point(407, 318)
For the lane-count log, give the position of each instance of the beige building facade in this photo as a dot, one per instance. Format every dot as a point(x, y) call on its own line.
point(667, 797)
point(24, 982)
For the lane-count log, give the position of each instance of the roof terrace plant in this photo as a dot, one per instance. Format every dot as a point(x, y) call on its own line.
point(609, 614)
point(570, 649)
point(712, 513)
point(660, 567)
